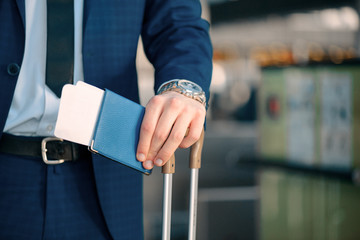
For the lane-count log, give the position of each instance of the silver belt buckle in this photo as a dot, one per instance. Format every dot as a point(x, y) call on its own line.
point(44, 150)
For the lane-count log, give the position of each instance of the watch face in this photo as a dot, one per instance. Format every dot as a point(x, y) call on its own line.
point(189, 86)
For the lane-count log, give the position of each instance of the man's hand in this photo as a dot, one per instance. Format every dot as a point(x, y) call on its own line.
point(166, 121)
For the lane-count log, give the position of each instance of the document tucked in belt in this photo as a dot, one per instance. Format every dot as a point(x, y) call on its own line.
point(106, 122)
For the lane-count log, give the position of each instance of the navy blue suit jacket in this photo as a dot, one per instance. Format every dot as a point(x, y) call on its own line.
point(177, 43)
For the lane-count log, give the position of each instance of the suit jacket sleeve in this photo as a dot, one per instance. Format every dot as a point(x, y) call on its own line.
point(177, 42)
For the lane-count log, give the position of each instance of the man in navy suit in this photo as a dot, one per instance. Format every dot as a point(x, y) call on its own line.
point(89, 197)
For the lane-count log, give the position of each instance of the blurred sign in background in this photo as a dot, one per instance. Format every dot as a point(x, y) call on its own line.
point(281, 157)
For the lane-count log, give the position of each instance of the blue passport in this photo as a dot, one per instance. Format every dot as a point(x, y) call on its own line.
point(117, 130)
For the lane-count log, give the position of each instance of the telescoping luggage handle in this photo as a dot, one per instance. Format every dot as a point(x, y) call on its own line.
point(168, 170)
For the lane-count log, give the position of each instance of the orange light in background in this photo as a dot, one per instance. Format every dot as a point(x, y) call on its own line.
point(336, 54)
point(224, 54)
point(276, 54)
point(316, 53)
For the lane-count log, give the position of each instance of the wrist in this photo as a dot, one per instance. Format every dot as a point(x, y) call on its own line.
point(184, 87)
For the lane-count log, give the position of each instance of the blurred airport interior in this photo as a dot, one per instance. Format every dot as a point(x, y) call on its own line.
point(281, 158)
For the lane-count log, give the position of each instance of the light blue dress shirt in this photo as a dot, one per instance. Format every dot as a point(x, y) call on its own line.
point(34, 107)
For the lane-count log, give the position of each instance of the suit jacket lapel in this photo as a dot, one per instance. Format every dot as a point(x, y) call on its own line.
point(21, 7)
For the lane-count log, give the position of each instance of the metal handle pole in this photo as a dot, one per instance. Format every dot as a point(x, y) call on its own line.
point(168, 169)
point(195, 164)
point(166, 223)
point(193, 203)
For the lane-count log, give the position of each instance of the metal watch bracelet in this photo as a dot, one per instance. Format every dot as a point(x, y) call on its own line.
point(186, 88)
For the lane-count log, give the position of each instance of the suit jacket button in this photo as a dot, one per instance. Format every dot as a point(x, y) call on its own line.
point(13, 69)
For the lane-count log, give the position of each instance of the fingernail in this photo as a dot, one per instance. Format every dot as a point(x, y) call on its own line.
point(158, 162)
point(148, 164)
point(141, 157)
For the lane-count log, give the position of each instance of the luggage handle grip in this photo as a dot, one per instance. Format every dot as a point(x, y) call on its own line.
point(169, 166)
point(195, 152)
point(195, 157)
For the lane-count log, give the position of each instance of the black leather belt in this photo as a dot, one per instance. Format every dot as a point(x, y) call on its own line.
point(52, 150)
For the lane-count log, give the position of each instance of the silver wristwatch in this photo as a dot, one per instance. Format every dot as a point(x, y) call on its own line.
point(186, 88)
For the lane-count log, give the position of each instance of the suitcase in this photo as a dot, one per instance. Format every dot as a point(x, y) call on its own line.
point(168, 170)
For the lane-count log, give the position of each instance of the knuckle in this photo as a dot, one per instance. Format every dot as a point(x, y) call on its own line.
point(177, 136)
point(160, 136)
point(142, 147)
point(156, 100)
point(194, 134)
point(165, 154)
point(187, 110)
point(174, 103)
point(193, 137)
point(200, 112)
point(147, 127)
point(152, 153)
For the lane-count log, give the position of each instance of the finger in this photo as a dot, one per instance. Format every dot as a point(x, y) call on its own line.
point(193, 133)
point(175, 138)
point(148, 125)
point(164, 126)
